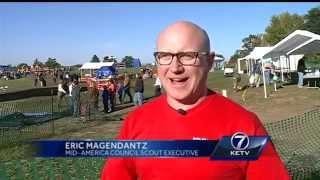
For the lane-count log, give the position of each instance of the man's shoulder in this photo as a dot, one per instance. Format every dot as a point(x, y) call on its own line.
point(231, 108)
point(235, 116)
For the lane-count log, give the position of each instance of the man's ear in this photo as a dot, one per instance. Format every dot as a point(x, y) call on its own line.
point(211, 60)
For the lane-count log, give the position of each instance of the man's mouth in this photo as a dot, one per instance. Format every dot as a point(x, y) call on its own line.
point(178, 81)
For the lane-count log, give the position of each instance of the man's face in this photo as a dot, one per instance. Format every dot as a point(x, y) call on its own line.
point(182, 82)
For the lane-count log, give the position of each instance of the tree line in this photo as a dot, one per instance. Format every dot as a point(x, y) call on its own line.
point(128, 60)
point(53, 63)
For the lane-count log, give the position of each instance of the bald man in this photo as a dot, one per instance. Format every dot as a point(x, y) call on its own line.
point(189, 110)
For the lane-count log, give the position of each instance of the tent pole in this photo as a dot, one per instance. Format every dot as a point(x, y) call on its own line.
point(288, 65)
point(250, 66)
point(247, 64)
point(264, 79)
point(281, 69)
point(239, 67)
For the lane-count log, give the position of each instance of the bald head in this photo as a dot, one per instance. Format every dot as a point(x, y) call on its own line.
point(183, 36)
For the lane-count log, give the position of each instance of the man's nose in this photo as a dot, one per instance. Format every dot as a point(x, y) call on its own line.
point(175, 66)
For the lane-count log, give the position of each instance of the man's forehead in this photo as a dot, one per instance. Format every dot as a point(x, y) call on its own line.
point(180, 43)
point(182, 36)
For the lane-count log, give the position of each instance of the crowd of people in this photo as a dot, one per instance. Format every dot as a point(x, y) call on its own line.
point(255, 78)
point(39, 78)
point(10, 75)
point(117, 90)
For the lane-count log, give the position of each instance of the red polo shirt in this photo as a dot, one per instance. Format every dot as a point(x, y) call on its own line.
point(213, 118)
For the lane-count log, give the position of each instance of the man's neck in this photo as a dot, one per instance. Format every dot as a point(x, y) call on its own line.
point(176, 104)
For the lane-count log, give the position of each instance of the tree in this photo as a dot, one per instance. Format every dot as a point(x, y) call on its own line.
point(37, 62)
point(113, 59)
point(281, 26)
point(128, 60)
point(313, 60)
point(106, 59)
point(248, 44)
point(252, 41)
point(312, 23)
point(95, 59)
point(22, 65)
point(312, 20)
point(238, 54)
point(109, 59)
point(52, 63)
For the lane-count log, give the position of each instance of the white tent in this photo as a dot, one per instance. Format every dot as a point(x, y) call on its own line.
point(94, 66)
point(254, 55)
point(287, 45)
point(298, 42)
point(218, 59)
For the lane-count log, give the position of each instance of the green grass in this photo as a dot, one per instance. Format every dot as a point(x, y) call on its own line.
point(17, 84)
point(22, 84)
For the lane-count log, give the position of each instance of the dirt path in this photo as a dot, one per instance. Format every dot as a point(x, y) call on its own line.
point(286, 102)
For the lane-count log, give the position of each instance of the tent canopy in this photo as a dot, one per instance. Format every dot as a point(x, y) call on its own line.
point(218, 57)
point(310, 47)
point(257, 53)
point(96, 65)
point(296, 40)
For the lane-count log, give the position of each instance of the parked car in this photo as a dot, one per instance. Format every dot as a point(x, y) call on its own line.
point(228, 71)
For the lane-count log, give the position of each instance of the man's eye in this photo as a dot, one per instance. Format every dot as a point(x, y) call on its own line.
point(165, 56)
point(186, 56)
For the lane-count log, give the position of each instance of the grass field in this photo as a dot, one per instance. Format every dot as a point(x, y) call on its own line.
point(17, 164)
point(21, 84)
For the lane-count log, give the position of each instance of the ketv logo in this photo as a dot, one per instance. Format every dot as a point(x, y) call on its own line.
point(240, 142)
point(239, 146)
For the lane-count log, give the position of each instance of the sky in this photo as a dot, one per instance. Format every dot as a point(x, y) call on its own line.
point(73, 32)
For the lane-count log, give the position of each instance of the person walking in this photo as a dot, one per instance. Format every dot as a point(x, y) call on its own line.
point(35, 80)
point(105, 98)
point(257, 72)
point(112, 93)
point(120, 88)
point(157, 87)
point(76, 97)
point(70, 99)
point(139, 88)
point(94, 96)
point(62, 91)
point(301, 70)
point(126, 88)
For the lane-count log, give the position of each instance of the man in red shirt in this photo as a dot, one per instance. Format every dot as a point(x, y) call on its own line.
point(190, 111)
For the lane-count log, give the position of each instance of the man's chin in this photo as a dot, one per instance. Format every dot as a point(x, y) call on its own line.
point(180, 97)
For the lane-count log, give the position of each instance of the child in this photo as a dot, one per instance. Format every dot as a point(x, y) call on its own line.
point(105, 98)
